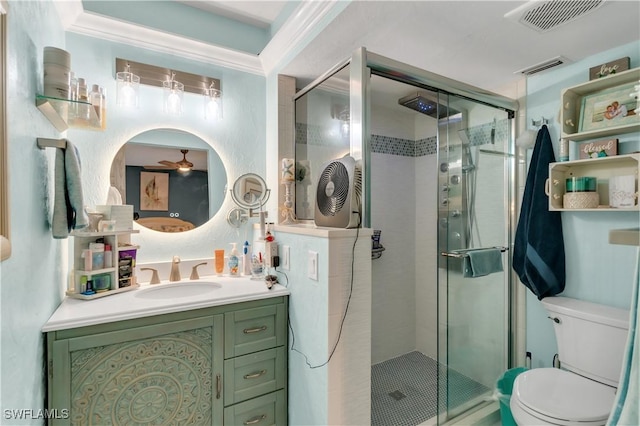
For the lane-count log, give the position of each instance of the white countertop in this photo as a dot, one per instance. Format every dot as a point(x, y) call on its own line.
point(73, 313)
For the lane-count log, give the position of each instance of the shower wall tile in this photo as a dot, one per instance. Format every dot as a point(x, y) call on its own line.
point(426, 254)
point(392, 146)
point(393, 274)
point(427, 146)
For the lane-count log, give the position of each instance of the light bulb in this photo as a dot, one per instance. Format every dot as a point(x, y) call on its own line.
point(173, 103)
point(127, 96)
point(212, 109)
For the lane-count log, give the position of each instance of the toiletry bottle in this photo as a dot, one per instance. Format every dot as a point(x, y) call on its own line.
point(563, 152)
point(83, 113)
point(103, 110)
point(234, 270)
point(96, 101)
point(108, 256)
point(246, 261)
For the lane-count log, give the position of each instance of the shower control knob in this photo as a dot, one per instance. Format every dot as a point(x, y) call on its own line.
point(444, 167)
point(456, 213)
point(455, 179)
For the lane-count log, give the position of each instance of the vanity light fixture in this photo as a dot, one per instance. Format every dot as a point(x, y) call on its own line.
point(212, 103)
point(173, 95)
point(174, 84)
point(127, 88)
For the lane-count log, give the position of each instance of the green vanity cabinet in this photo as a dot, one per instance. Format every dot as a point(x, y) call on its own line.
point(174, 368)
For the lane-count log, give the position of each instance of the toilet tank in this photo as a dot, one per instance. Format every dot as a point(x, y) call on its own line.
point(591, 337)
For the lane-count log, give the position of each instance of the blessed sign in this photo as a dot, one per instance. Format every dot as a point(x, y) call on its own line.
point(604, 148)
point(609, 68)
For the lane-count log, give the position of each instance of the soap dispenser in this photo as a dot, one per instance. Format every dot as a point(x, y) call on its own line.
point(234, 270)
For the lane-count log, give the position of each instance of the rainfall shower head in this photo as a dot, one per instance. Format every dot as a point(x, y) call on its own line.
point(425, 104)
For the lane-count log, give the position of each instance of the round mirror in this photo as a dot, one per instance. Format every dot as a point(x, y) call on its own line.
point(250, 191)
point(173, 179)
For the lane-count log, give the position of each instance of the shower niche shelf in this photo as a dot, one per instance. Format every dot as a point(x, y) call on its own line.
point(572, 99)
point(600, 168)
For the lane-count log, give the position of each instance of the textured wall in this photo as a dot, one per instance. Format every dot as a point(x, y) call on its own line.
point(238, 138)
point(33, 277)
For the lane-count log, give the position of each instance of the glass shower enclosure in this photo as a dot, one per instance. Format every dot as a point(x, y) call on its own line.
point(438, 181)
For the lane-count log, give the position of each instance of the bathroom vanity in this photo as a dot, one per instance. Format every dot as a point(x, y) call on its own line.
point(193, 352)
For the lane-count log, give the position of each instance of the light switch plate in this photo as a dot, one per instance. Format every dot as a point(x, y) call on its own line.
point(286, 252)
point(312, 265)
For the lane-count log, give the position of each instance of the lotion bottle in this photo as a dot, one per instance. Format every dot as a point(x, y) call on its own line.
point(234, 270)
point(246, 261)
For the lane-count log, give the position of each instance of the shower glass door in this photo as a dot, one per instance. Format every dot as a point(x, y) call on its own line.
point(474, 166)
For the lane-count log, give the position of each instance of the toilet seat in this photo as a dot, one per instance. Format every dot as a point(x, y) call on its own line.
point(559, 397)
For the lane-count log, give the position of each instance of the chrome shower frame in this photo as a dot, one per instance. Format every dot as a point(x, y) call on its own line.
point(362, 65)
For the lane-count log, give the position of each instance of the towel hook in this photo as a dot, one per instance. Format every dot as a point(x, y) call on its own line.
point(51, 143)
point(539, 123)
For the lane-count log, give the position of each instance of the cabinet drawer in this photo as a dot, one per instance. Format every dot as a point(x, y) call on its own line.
point(253, 330)
point(262, 411)
point(255, 374)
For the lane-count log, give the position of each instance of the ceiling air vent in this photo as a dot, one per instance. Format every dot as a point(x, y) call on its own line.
point(544, 16)
point(545, 65)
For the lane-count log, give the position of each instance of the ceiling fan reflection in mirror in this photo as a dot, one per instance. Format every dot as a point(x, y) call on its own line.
point(182, 166)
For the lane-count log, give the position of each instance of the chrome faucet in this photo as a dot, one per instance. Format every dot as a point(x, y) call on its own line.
point(175, 269)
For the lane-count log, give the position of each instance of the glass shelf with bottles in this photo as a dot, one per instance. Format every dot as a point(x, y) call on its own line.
point(66, 113)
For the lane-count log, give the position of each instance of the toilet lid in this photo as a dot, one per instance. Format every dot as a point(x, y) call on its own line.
point(564, 396)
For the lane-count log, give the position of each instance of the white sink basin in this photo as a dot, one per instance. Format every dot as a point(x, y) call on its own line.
point(178, 290)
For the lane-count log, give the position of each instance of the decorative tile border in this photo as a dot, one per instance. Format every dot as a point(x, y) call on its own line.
point(478, 135)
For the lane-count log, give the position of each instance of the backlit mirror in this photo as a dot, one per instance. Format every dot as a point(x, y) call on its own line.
point(173, 179)
point(250, 191)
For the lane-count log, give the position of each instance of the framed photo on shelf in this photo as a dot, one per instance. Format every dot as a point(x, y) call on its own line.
point(610, 108)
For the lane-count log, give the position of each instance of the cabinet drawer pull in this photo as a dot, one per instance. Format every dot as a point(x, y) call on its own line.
point(255, 329)
point(218, 386)
point(255, 375)
point(255, 420)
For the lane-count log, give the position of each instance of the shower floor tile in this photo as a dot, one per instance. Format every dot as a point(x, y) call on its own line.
point(414, 376)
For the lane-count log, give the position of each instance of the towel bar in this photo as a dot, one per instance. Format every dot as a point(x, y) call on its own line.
point(51, 143)
point(462, 253)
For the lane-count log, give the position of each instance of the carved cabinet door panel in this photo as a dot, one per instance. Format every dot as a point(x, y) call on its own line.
point(162, 374)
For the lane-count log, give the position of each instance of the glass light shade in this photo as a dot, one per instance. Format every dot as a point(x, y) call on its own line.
point(127, 85)
point(212, 104)
point(173, 94)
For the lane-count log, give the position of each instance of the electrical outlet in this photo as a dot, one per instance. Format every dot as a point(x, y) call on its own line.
point(312, 265)
point(285, 257)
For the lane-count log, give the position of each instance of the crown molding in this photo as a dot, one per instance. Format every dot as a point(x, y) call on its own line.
point(303, 21)
point(75, 19)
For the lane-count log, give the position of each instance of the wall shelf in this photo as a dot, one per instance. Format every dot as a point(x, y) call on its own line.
point(119, 242)
point(65, 113)
point(601, 168)
point(572, 106)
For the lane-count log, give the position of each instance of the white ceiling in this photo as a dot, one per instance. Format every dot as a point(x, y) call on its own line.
point(468, 41)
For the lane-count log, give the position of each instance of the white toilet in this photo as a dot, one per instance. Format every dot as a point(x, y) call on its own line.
point(591, 340)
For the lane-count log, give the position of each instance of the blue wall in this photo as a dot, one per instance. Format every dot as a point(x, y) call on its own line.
point(596, 270)
point(33, 277)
